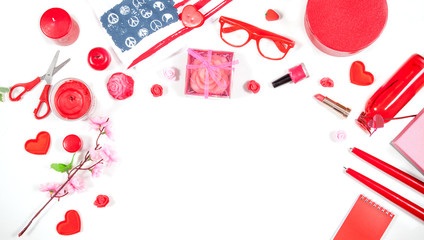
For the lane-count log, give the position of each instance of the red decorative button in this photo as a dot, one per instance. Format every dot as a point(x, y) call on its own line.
point(191, 17)
point(99, 58)
point(72, 143)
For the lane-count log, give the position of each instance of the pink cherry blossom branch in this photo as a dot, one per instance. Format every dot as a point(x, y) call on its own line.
point(71, 174)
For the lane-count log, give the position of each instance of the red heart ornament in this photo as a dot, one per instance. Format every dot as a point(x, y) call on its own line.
point(71, 225)
point(191, 17)
point(359, 76)
point(40, 145)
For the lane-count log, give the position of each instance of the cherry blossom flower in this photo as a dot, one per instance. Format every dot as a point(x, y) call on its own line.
point(49, 187)
point(97, 170)
point(74, 185)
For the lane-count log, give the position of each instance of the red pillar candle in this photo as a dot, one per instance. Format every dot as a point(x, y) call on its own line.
point(58, 25)
point(71, 99)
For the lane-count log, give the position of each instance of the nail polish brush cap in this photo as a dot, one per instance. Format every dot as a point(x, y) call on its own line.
point(295, 74)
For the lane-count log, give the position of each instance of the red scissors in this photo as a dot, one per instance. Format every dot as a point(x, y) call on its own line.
point(44, 97)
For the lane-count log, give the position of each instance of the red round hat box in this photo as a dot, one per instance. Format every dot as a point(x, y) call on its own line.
point(344, 27)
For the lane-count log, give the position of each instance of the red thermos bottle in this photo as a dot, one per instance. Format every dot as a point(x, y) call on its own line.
point(390, 98)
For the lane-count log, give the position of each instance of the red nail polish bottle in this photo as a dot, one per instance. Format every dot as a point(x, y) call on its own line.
point(390, 98)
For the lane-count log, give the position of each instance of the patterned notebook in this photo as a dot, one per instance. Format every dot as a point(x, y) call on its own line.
point(365, 221)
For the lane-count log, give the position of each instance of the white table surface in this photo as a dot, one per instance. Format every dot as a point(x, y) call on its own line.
point(258, 166)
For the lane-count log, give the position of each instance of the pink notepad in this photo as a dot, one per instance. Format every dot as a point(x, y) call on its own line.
point(365, 221)
point(410, 142)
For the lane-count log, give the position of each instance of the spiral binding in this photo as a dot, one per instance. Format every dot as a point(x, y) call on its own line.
point(378, 207)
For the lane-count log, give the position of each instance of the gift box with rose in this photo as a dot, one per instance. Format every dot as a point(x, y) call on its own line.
point(209, 73)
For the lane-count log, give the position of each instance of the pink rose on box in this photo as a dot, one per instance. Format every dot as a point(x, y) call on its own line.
point(209, 73)
point(120, 86)
point(170, 74)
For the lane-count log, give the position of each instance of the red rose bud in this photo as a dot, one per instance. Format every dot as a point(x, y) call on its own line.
point(156, 90)
point(101, 201)
point(253, 86)
point(326, 82)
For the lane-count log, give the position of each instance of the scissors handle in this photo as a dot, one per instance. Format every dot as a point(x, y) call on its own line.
point(44, 99)
point(27, 87)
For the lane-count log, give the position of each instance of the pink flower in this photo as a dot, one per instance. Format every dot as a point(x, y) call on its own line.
point(98, 123)
point(108, 155)
point(74, 185)
point(97, 170)
point(170, 74)
point(49, 187)
point(340, 136)
point(120, 86)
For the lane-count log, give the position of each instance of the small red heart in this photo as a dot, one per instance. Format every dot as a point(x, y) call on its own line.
point(71, 225)
point(191, 17)
point(359, 76)
point(376, 122)
point(271, 15)
point(40, 145)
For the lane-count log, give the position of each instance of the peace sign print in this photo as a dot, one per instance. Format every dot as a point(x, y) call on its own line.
point(130, 42)
point(133, 21)
point(146, 13)
point(138, 3)
point(159, 5)
point(130, 21)
point(155, 25)
point(143, 32)
point(113, 18)
point(124, 10)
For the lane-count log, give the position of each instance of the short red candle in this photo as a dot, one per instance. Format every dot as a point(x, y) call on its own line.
point(72, 143)
point(99, 58)
point(389, 194)
point(58, 25)
point(72, 99)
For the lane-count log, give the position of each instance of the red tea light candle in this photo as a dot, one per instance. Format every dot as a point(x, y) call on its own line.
point(72, 99)
point(98, 58)
point(58, 25)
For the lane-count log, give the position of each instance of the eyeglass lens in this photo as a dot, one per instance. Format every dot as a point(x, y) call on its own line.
point(237, 36)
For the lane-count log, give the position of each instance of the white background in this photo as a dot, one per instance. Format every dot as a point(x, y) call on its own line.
point(258, 166)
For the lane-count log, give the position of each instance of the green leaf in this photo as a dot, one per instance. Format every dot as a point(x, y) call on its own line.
point(1, 98)
point(69, 166)
point(4, 90)
point(60, 167)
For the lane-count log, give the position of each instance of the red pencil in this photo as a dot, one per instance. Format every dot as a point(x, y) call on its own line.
point(389, 194)
point(392, 171)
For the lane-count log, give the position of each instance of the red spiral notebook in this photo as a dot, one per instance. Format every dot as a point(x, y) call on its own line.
point(365, 221)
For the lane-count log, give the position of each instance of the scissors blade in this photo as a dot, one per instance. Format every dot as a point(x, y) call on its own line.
point(57, 68)
point(49, 73)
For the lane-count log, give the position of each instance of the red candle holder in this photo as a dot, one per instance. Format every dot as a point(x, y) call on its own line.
point(58, 25)
point(71, 99)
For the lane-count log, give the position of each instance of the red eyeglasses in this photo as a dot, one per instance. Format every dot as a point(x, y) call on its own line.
point(270, 45)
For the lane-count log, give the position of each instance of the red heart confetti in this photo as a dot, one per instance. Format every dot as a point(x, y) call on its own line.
point(40, 145)
point(359, 76)
point(271, 15)
point(376, 122)
point(191, 17)
point(71, 224)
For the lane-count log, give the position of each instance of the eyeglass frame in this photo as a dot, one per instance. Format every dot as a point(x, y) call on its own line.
point(256, 34)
